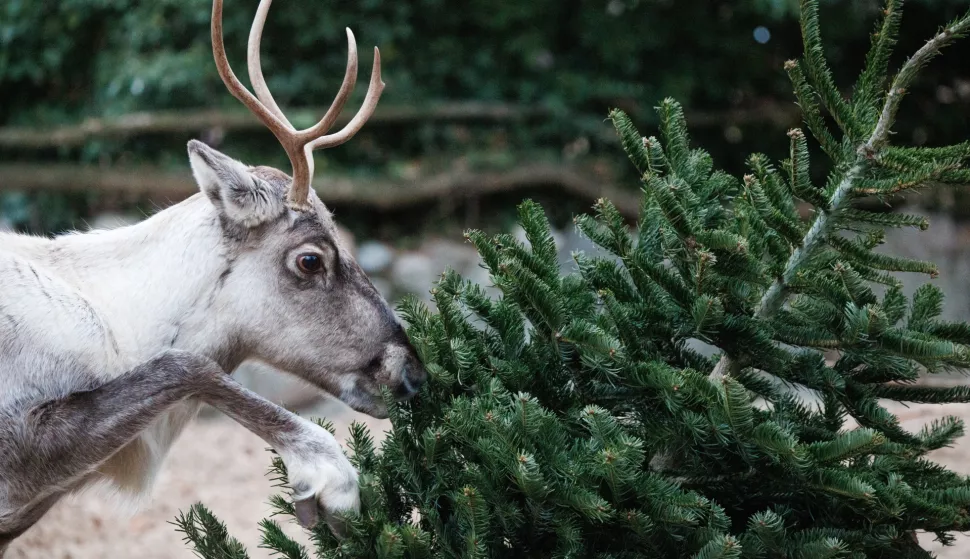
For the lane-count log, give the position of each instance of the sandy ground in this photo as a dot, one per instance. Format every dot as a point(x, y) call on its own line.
point(215, 462)
point(223, 465)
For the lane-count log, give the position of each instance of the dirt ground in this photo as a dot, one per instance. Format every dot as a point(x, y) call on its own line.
point(216, 462)
point(222, 465)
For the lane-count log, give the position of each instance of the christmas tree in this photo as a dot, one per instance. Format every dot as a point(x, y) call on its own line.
point(577, 416)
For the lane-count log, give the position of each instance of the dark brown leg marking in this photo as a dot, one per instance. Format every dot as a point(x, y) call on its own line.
point(62, 441)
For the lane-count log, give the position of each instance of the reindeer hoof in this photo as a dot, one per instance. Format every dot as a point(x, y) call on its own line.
point(308, 512)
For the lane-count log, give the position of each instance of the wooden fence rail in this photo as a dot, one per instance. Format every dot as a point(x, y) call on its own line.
point(192, 121)
point(170, 122)
point(382, 195)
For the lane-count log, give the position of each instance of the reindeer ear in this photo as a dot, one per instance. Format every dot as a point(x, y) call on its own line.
point(241, 197)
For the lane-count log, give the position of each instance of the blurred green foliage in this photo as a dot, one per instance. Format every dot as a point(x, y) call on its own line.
point(65, 60)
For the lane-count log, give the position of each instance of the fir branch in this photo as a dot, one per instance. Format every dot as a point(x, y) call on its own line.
point(720, 547)
point(910, 180)
point(882, 219)
point(573, 414)
point(786, 226)
point(858, 254)
point(877, 60)
point(810, 110)
point(208, 535)
point(675, 213)
point(673, 128)
point(941, 433)
point(798, 176)
point(634, 144)
point(776, 294)
point(769, 529)
point(276, 540)
point(847, 445)
point(907, 73)
point(818, 70)
point(922, 394)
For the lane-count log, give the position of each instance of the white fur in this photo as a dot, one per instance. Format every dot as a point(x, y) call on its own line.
point(332, 482)
point(156, 254)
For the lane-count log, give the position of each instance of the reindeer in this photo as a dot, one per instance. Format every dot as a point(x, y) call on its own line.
point(110, 341)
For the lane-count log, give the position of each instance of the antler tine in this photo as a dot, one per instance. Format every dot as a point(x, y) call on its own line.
point(233, 84)
point(301, 189)
point(299, 145)
point(374, 91)
point(343, 94)
point(255, 68)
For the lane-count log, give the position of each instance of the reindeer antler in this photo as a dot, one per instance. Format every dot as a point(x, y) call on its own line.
point(298, 144)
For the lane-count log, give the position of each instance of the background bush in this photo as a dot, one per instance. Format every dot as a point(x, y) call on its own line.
point(63, 61)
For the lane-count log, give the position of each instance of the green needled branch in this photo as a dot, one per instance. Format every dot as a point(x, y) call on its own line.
point(564, 414)
point(776, 294)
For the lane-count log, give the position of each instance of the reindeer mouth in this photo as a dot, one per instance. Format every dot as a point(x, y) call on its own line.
point(375, 409)
point(365, 399)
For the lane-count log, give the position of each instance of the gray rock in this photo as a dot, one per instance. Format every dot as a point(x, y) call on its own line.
point(461, 257)
point(374, 257)
point(519, 233)
point(413, 272)
point(384, 287)
point(479, 275)
point(573, 241)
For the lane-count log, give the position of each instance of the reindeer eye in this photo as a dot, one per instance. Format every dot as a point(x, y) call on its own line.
point(309, 263)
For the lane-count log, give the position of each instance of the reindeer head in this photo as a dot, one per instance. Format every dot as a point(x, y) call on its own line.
point(325, 320)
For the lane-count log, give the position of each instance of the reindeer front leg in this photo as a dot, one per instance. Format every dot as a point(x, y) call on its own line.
point(321, 476)
point(62, 441)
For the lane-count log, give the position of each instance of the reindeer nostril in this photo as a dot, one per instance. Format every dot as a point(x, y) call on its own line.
point(415, 374)
point(411, 380)
point(374, 365)
point(418, 375)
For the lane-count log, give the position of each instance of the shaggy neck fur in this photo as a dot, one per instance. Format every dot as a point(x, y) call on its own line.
point(178, 258)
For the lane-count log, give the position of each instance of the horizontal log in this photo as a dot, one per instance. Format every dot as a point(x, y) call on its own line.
point(172, 186)
point(189, 121)
point(171, 122)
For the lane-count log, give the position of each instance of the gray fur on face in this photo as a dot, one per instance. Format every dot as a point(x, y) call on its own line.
point(333, 329)
point(110, 341)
